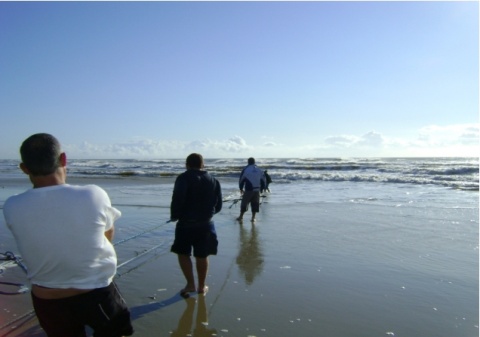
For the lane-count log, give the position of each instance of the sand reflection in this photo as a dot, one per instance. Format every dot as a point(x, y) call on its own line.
point(250, 256)
point(185, 323)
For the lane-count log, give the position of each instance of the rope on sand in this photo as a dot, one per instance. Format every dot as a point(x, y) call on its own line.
point(235, 201)
point(135, 258)
point(141, 233)
point(9, 256)
point(30, 313)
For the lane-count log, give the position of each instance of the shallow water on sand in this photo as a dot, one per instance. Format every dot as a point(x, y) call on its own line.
point(322, 260)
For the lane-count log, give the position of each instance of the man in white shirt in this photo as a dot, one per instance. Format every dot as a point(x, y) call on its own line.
point(64, 235)
point(251, 183)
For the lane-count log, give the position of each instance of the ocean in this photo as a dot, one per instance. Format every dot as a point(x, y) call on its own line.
point(341, 247)
point(376, 175)
point(457, 173)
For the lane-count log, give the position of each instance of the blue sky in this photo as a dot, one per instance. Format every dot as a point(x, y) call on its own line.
point(239, 79)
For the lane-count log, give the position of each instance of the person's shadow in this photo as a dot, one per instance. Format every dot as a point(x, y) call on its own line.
point(141, 310)
point(250, 256)
point(185, 322)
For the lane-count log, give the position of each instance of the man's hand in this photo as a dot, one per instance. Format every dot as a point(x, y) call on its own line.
point(109, 234)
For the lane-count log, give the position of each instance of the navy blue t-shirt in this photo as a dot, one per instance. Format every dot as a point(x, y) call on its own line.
point(197, 196)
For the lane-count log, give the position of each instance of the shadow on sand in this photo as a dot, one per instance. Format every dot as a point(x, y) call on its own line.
point(137, 312)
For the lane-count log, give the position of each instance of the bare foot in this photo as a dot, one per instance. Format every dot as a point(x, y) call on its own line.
point(185, 292)
point(203, 290)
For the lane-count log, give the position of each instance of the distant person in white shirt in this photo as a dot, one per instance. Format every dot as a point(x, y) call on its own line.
point(251, 182)
point(64, 235)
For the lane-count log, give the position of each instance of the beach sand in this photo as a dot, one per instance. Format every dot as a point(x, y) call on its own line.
point(303, 269)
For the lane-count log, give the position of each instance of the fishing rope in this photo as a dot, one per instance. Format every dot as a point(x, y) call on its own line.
point(9, 256)
point(141, 233)
point(21, 288)
point(229, 272)
point(235, 201)
point(227, 278)
point(30, 313)
point(141, 254)
point(138, 256)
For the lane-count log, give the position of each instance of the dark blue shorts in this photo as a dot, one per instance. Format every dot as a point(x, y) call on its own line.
point(250, 197)
point(103, 309)
point(202, 237)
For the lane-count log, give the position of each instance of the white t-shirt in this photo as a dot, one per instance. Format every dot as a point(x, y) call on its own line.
point(60, 233)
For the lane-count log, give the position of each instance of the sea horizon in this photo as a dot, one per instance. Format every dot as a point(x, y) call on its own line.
point(452, 172)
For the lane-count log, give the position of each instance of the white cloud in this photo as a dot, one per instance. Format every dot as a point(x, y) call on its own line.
point(450, 134)
point(433, 140)
point(147, 148)
point(370, 139)
point(144, 148)
point(342, 141)
point(219, 148)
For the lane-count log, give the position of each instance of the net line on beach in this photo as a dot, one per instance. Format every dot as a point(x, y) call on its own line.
point(11, 257)
point(27, 316)
point(137, 257)
point(235, 201)
point(151, 229)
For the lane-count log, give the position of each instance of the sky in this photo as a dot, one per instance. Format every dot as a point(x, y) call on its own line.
point(153, 80)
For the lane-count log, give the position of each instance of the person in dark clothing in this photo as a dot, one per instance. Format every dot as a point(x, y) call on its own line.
point(268, 179)
point(197, 197)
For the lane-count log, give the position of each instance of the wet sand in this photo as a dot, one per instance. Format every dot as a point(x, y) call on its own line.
point(320, 269)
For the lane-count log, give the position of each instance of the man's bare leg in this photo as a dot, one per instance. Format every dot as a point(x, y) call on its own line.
point(187, 269)
point(202, 270)
point(240, 218)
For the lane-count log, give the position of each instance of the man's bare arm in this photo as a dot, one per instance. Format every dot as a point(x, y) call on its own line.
point(109, 234)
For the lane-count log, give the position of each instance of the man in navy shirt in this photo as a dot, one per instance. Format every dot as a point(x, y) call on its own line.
point(197, 196)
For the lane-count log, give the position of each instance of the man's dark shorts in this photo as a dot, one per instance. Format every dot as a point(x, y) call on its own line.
point(103, 309)
point(250, 197)
point(201, 236)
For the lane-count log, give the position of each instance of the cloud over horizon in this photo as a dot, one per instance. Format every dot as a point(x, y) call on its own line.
point(452, 140)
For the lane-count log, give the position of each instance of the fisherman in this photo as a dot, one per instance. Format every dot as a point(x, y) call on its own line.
point(268, 180)
point(64, 234)
point(196, 198)
point(252, 179)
